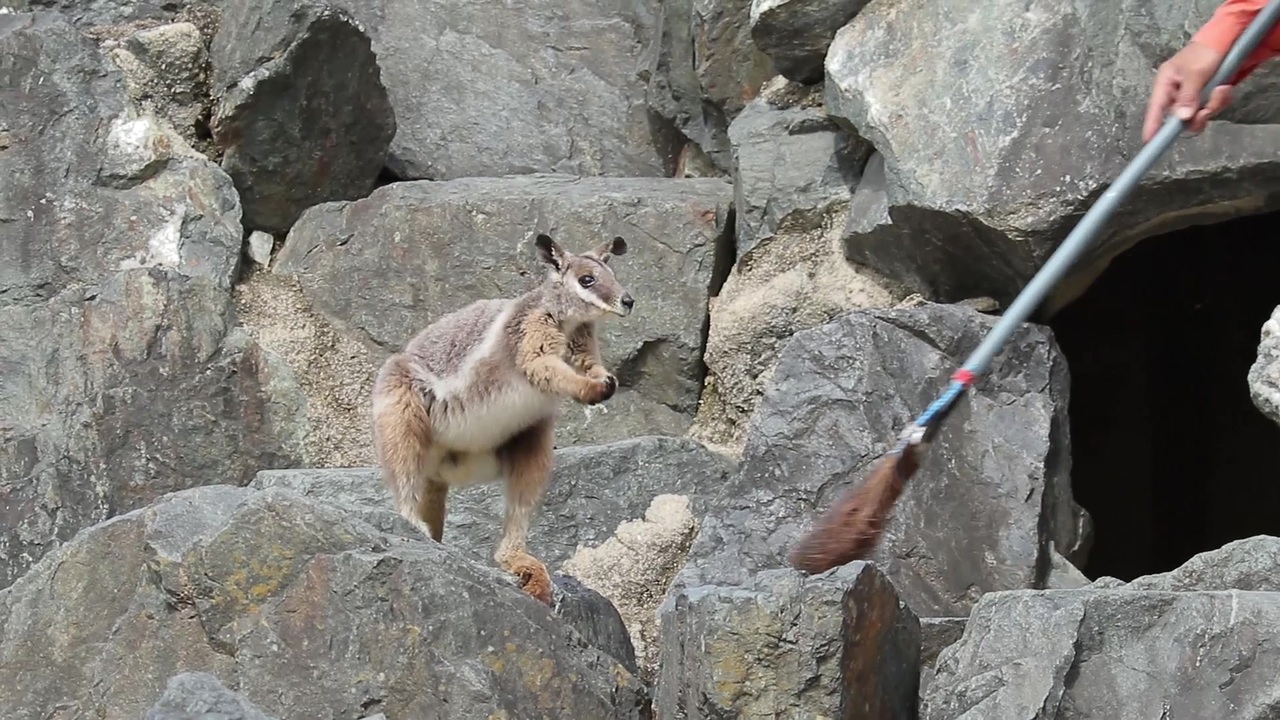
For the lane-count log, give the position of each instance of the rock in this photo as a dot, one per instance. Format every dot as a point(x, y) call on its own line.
point(991, 500)
point(307, 610)
point(1264, 374)
point(260, 245)
point(128, 16)
point(1113, 653)
point(789, 646)
point(936, 634)
point(702, 68)
point(593, 489)
point(166, 73)
point(124, 374)
point(482, 90)
point(382, 268)
point(298, 129)
point(595, 618)
point(990, 154)
point(1251, 564)
point(201, 696)
point(795, 34)
point(791, 164)
point(793, 182)
point(634, 568)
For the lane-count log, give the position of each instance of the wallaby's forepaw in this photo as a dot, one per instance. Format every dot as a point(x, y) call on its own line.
point(534, 578)
point(600, 390)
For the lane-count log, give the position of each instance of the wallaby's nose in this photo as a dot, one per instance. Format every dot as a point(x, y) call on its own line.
point(627, 301)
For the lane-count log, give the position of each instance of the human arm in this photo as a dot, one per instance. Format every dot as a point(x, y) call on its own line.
point(1181, 78)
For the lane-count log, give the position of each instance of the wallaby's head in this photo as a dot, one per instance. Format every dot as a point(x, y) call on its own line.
point(583, 287)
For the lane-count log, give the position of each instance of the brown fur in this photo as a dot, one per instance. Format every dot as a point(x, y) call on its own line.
point(473, 397)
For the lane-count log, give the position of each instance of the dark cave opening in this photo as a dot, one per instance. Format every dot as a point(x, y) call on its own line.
point(1169, 454)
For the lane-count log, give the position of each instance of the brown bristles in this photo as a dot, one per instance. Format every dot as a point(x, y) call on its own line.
point(851, 528)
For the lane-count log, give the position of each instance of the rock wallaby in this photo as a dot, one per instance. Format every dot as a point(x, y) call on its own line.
point(474, 397)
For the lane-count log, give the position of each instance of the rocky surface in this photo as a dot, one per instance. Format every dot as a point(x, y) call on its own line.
point(125, 374)
point(1111, 653)
point(794, 175)
point(295, 131)
point(593, 489)
point(990, 158)
point(795, 34)
point(307, 611)
point(382, 268)
point(702, 68)
point(560, 86)
point(1264, 374)
point(784, 645)
point(201, 696)
point(988, 507)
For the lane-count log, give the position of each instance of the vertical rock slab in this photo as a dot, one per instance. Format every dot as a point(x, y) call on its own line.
point(382, 268)
point(786, 646)
point(123, 372)
point(985, 512)
point(1000, 123)
point(1054, 655)
point(302, 115)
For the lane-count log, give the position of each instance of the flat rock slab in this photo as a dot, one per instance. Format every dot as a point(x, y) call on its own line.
point(999, 123)
point(593, 489)
point(787, 646)
point(302, 115)
point(123, 374)
point(1054, 655)
point(307, 611)
point(384, 267)
point(987, 507)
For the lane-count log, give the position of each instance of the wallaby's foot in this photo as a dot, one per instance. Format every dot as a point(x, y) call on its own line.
point(534, 578)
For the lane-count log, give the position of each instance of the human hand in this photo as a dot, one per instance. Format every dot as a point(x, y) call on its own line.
point(1178, 84)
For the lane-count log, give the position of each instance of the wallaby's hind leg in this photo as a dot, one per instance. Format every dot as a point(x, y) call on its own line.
point(402, 446)
point(526, 462)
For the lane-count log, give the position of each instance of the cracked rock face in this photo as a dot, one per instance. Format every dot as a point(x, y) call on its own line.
point(124, 374)
point(1054, 655)
point(384, 267)
point(1264, 374)
point(262, 588)
point(992, 150)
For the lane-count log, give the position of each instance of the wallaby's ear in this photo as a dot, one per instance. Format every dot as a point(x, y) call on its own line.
point(549, 252)
point(616, 246)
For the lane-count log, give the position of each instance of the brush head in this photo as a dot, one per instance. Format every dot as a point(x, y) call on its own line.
point(851, 528)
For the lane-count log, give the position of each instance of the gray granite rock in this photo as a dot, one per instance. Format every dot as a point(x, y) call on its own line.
point(795, 34)
point(201, 696)
point(1264, 374)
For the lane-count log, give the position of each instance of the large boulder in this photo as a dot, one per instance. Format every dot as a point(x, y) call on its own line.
point(783, 645)
point(991, 504)
point(1054, 655)
point(302, 116)
point(702, 68)
point(1251, 564)
point(1264, 374)
point(125, 374)
point(487, 90)
point(307, 611)
point(795, 34)
point(991, 149)
point(381, 269)
point(794, 176)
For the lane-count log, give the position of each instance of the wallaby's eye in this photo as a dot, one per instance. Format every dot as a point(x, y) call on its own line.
point(587, 280)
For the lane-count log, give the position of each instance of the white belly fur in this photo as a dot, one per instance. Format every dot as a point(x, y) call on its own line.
point(505, 411)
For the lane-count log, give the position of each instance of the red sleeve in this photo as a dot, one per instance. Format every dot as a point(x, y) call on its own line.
point(1227, 24)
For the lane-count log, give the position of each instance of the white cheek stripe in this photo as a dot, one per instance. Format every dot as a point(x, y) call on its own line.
point(591, 297)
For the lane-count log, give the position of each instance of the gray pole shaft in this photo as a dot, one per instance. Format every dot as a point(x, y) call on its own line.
point(1093, 220)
